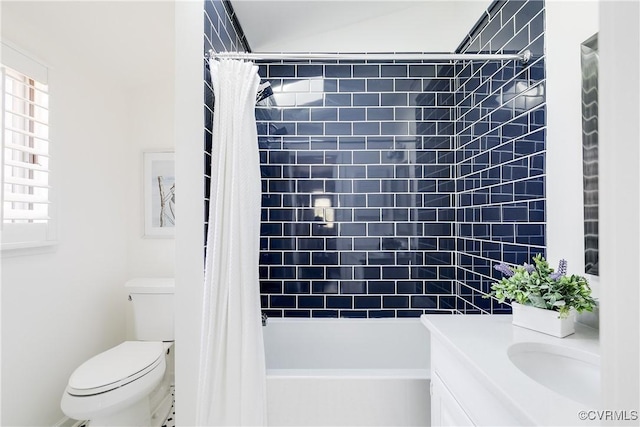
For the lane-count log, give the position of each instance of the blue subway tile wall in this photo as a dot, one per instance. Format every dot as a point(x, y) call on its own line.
point(500, 152)
point(390, 189)
point(358, 172)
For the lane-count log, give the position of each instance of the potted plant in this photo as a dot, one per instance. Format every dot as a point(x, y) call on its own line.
point(541, 298)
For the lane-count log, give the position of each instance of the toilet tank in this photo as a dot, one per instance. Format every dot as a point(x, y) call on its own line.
point(153, 308)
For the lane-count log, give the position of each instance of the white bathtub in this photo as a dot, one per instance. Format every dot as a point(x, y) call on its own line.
point(347, 372)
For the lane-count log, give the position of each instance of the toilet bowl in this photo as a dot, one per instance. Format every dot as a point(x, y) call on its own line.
point(113, 388)
point(130, 384)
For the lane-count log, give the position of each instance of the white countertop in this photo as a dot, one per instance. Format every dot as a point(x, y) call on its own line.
point(482, 341)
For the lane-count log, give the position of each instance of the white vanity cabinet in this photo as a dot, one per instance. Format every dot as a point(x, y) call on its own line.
point(462, 397)
point(445, 409)
point(475, 383)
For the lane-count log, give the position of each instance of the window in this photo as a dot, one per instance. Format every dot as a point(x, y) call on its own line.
point(26, 202)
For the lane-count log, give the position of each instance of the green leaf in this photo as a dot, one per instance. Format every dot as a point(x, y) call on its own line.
point(540, 290)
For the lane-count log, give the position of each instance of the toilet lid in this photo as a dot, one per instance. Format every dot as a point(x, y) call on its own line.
point(115, 367)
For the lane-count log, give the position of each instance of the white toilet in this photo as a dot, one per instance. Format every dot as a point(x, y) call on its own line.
point(130, 384)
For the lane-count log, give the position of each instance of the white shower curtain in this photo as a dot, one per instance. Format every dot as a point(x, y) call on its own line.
point(232, 384)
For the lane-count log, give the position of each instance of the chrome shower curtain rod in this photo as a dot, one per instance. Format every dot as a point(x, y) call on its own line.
point(390, 56)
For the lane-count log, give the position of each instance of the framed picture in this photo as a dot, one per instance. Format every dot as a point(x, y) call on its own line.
point(159, 194)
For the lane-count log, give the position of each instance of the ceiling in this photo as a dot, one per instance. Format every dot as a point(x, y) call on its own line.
point(129, 40)
point(357, 25)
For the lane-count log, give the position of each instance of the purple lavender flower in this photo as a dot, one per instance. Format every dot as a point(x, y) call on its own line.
point(562, 270)
point(562, 267)
point(504, 269)
point(529, 268)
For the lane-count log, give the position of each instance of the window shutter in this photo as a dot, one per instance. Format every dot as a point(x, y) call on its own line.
point(25, 211)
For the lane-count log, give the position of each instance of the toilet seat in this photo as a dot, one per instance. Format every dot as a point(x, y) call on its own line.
point(116, 367)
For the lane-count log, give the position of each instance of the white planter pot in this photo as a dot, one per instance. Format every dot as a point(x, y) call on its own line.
point(541, 320)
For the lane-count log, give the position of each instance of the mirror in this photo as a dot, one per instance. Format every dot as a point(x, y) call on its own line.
point(589, 62)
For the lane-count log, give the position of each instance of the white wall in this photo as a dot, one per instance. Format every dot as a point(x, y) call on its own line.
point(189, 127)
point(619, 111)
point(150, 128)
point(61, 306)
point(565, 217)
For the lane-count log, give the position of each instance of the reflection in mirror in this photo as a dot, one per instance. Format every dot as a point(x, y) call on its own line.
point(589, 60)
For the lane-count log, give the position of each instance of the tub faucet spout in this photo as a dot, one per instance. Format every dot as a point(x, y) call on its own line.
point(264, 319)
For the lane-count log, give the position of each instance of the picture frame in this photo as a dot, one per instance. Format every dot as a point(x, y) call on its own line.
point(159, 194)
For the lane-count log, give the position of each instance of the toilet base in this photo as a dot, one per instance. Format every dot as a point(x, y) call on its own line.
point(160, 414)
point(163, 415)
point(137, 414)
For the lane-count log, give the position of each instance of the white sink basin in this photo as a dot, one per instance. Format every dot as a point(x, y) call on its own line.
point(572, 373)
